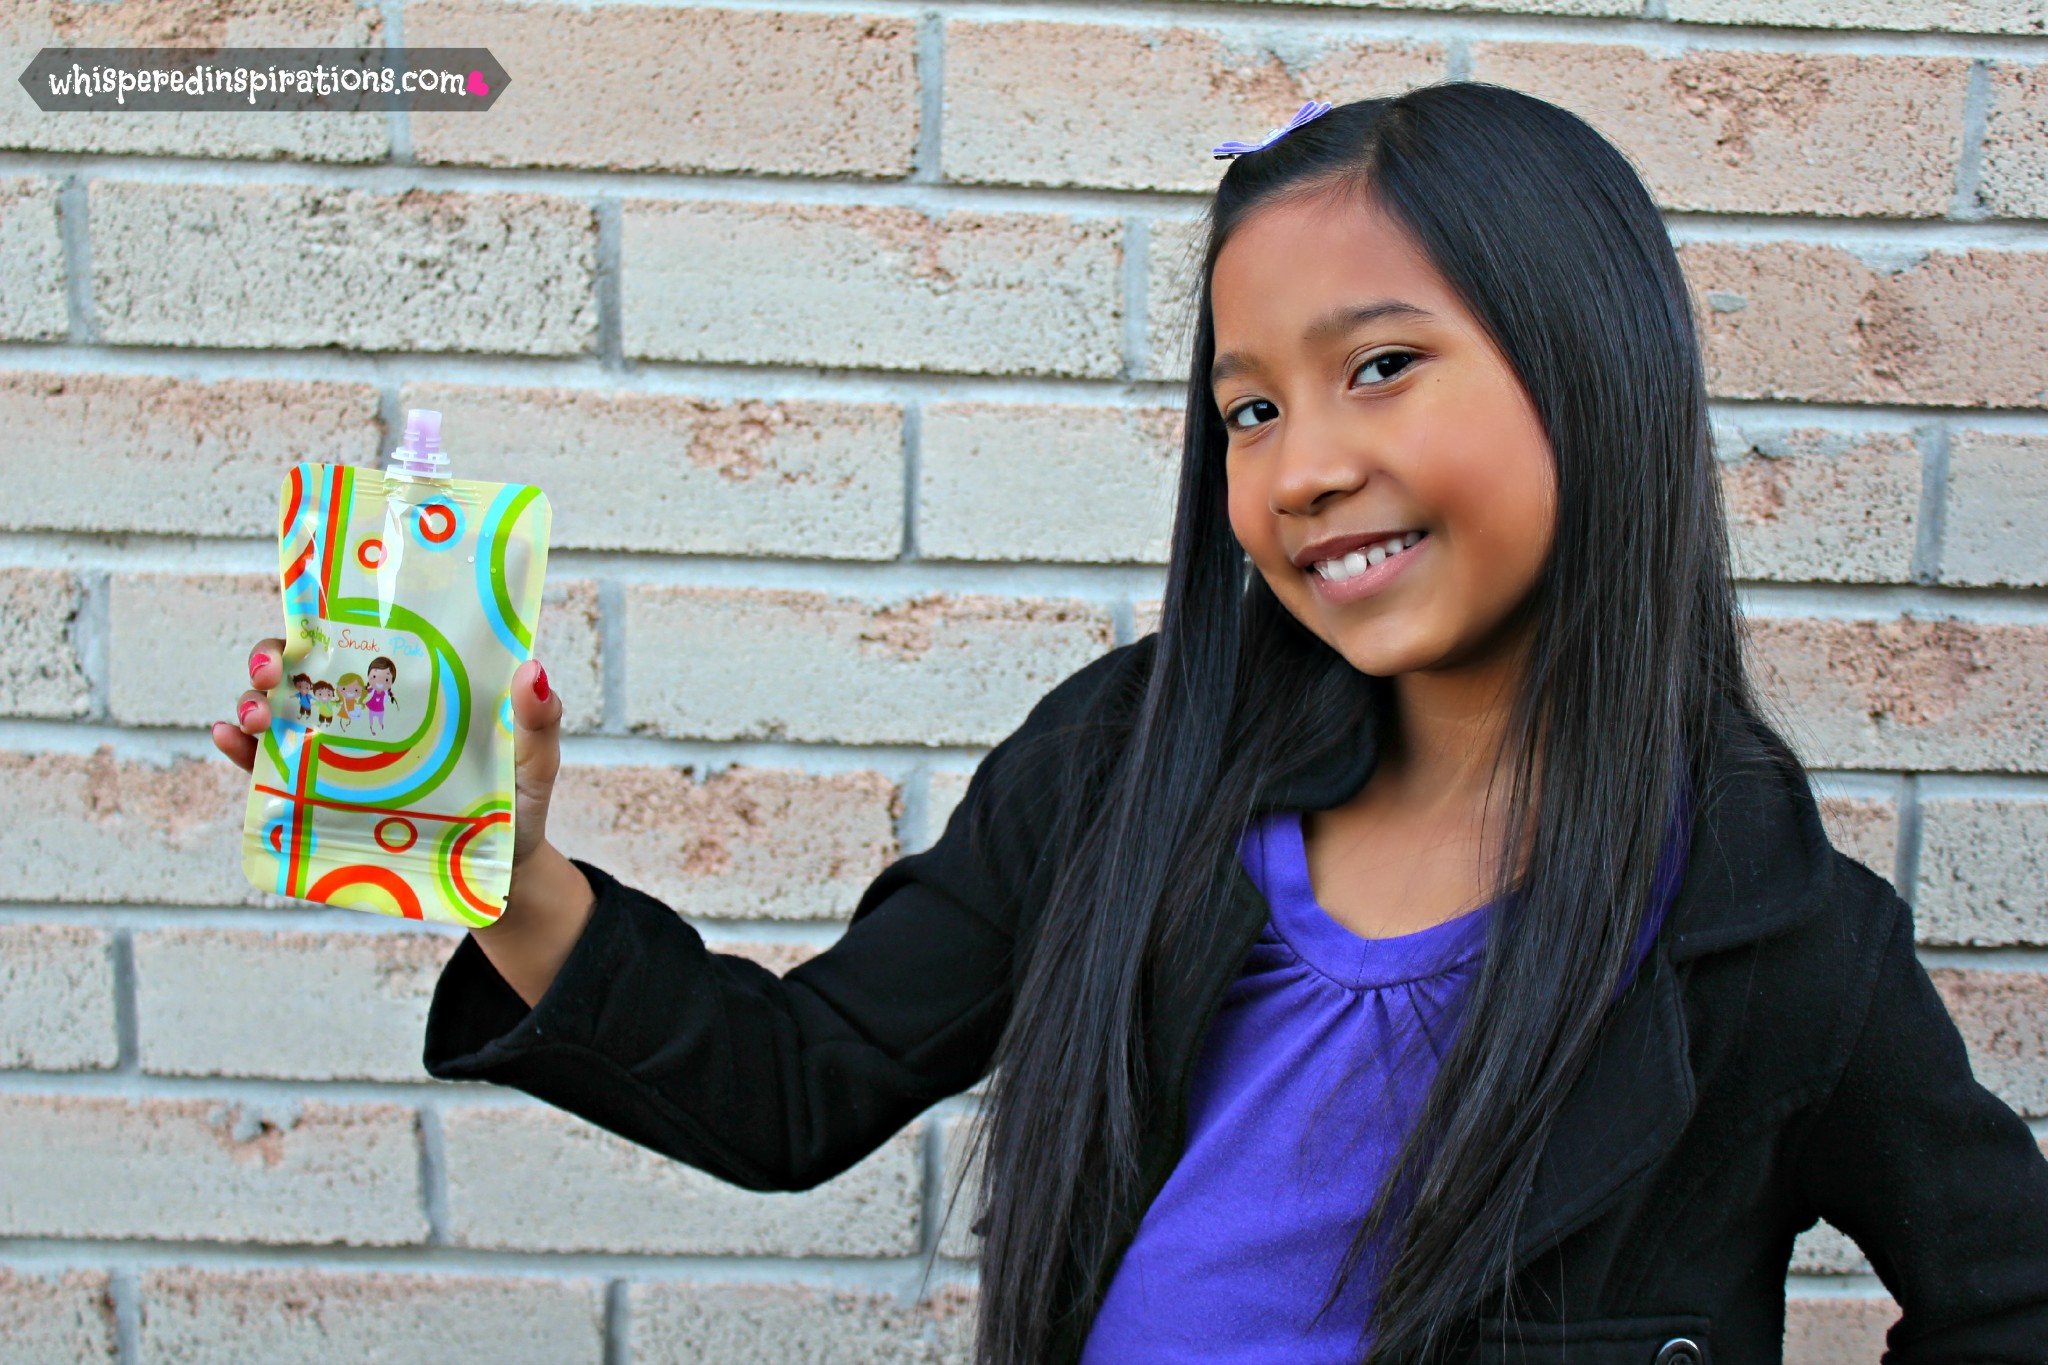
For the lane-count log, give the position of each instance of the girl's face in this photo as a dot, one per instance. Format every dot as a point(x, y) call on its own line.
point(1408, 420)
point(381, 677)
point(351, 692)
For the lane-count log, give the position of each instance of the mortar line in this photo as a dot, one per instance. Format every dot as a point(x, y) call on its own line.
point(611, 645)
point(1968, 205)
point(75, 241)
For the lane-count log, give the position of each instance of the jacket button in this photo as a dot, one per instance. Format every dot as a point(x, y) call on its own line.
point(1681, 1351)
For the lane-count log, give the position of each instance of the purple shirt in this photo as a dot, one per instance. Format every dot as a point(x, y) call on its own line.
point(1284, 1151)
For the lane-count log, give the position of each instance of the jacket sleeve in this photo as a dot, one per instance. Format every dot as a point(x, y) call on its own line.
point(1934, 1177)
point(781, 1082)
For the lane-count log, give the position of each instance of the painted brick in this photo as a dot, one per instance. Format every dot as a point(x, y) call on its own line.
point(1760, 132)
point(1067, 83)
point(746, 843)
point(999, 481)
point(1994, 507)
point(1954, 16)
point(301, 1313)
point(32, 286)
point(585, 93)
point(686, 475)
point(1837, 1329)
point(2003, 1015)
point(1173, 285)
point(58, 1315)
point(1866, 830)
point(224, 615)
point(712, 1323)
point(872, 287)
point(1582, 8)
point(25, 28)
point(1794, 320)
point(306, 265)
point(1824, 1249)
point(315, 1005)
point(748, 663)
point(1907, 692)
point(959, 1164)
point(95, 828)
point(168, 455)
point(41, 671)
point(2014, 179)
point(1810, 504)
point(605, 1194)
point(943, 791)
point(57, 998)
point(1983, 870)
point(209, 1170)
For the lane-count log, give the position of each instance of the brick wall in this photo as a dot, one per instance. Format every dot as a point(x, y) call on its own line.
point(799, 315)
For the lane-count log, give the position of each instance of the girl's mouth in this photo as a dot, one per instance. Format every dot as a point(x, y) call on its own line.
point(1373, 580)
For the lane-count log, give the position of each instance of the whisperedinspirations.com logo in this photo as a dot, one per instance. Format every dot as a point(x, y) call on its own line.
point(263, 79)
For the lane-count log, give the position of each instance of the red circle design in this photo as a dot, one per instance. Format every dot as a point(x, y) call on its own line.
point(406, 831)
point(477, 826)
point(370, 552)
point(441, 529)
point(355, 873)
point(277, 838)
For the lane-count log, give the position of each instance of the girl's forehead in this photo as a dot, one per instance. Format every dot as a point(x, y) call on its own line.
point(1287, 264)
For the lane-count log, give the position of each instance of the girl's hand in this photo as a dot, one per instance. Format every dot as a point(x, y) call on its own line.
point(536, 738)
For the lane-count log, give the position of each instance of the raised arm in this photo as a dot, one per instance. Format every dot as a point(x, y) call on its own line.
point(1934, 1177)
point(781, 1083)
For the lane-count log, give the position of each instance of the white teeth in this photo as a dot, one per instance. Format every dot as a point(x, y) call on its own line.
point(1358, 561)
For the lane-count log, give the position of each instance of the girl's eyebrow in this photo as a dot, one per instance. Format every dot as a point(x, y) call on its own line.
point(1335, 323)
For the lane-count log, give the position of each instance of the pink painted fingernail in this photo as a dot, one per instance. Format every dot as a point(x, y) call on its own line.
point(256, 661)
point(242, 711)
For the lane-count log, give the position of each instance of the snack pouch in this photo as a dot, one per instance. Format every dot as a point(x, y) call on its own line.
point(385, 780)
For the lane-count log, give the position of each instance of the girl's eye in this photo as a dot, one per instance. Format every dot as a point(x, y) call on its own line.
point(1404, 359)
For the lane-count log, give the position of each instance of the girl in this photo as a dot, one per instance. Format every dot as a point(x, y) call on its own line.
point(1303, 1046)
point(382, 675)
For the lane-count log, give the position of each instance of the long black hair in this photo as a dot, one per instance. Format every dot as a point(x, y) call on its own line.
point(1633, 638)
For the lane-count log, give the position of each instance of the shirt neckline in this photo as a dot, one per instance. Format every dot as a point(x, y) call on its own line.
point(1276, 849)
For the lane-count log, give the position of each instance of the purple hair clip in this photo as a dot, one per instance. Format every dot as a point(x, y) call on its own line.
point(1314, 109)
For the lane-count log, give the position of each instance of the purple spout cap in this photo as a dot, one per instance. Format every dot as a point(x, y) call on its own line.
point(420, 453)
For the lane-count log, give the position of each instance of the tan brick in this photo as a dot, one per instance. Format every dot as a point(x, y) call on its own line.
point(1826, 1250)
point(747, 843)
point(304, 265)
point(683, 475)
point(844, 89)
point(999, 481)
point(1760, 132)
point(301, 1313)
point(1865, 829)
point(2014, 179)
point(58, 1314)
point(1994, 509)
point(1954, 16)
point(605, 1194)
point(96, 828)
point(1037, 102)
point(710, 1323)
point(32, 286)
point(2003, 1015)
point(943, 791)
point(1837, 1329)
point(222, 616)
point(1907, 692)
point(959, 1164)
point(26, 26)
point(1173, 284)
point(1809, 504)
point(872, 286)
point(209, 1170)
point(1791, 320)
point(168, 455)
point(41, 670)
point(57, 997)
point(748, 663)
point(1983, 870)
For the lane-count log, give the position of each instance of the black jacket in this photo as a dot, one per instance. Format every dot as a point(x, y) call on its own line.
point(1781, 1057)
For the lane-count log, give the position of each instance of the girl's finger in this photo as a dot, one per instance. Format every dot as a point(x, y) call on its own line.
point(252, 713)
point(240, 748)
point(266, 664)
point(535, 703)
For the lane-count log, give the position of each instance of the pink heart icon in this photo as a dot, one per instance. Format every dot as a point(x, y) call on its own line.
point(477, 85)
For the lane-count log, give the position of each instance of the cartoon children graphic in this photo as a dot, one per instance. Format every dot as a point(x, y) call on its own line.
point(303, 685)
point(324, 704)
point(383, 674)
point(350, 688)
